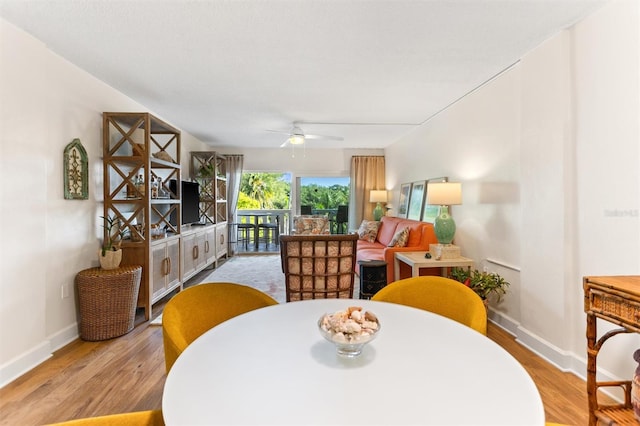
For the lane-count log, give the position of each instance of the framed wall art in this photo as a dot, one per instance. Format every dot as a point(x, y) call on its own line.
point(430, 212)
point(416, 199)
point(403, 204)
point(76, 171)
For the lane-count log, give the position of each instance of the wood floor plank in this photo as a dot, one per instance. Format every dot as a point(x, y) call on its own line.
point(86, 379)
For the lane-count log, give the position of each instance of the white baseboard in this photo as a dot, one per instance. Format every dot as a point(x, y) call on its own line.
point(64, 337)
point(37, 355)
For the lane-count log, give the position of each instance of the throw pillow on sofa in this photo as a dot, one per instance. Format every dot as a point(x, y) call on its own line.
point(400, 238)
point(368, 230)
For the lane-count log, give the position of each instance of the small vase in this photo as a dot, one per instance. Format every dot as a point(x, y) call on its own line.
point(635, 387)
point(111, 259)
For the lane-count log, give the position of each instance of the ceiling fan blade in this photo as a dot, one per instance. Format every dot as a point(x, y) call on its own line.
point(284, 143)
point(286, 132)
point(333, 138)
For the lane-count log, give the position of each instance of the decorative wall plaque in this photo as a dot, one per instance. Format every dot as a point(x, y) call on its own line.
point(76, 172)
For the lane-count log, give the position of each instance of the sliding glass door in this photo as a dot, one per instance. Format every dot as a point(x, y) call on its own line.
point(324, 196)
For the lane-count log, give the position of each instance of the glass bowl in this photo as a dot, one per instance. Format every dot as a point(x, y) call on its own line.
point(347, 344)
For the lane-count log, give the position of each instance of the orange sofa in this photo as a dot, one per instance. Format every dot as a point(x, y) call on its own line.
point(421, 234)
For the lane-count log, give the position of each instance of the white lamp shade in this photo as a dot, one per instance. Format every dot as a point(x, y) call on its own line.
point(378, 196)
point(444, 193)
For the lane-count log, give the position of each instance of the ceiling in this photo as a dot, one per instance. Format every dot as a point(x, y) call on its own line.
point(228, 71)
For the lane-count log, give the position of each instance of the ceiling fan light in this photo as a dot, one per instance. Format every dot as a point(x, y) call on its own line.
point(296, 139)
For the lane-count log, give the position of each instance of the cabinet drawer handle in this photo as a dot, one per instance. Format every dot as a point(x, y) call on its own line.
point(221, 239)
point(168, 265)
point(195, 252)
point(206, 246)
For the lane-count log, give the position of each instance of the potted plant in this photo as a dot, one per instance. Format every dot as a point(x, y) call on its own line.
point(483, 283)
point(110, 253)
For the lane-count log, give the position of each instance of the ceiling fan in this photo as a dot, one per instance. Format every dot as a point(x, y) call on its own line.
point(298, 137)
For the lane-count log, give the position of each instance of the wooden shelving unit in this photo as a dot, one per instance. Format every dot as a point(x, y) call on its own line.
point(209, 169)
point(139, 144)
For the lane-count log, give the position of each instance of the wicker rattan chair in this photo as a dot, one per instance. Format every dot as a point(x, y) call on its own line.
point(197, 309)
point(310, 225)
point(318, 266)
point(439, 295)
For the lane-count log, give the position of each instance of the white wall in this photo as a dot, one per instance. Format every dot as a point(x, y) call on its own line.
point(476, 142)
point(46, 102)
point(547, 185)
point(549, 157)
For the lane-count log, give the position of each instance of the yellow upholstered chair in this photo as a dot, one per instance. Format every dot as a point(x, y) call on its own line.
point(439, 295)
point(138, 418)
point(197, 309)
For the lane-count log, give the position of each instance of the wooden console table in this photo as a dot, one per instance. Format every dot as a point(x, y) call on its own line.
point(615, 299)
point(416, 260)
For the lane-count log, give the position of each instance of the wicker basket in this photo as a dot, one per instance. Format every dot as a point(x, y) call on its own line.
point(107, 300)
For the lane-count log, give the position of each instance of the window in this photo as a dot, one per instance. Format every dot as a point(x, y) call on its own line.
point(264, 191)
point(324, 194)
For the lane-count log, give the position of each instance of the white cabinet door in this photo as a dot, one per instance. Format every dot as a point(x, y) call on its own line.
point(165, 268)
point(188, 255)
point(221, 239)
point(210, 245)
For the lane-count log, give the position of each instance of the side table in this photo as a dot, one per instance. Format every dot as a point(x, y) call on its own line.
point(615, 299)
point(416, 260)
point(107, 301)
point(373, 276)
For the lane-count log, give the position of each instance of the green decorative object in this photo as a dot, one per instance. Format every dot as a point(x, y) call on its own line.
point(444, 226)
point(76, 172)
point(378, 212)
point(379, 197)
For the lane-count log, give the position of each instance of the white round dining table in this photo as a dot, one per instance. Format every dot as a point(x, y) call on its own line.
point(271, 366)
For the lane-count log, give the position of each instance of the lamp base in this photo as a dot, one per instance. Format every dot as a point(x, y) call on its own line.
point(444, 226)
point(378, 212)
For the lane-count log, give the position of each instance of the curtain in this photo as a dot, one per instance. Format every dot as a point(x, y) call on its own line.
point(234, 175)
point(367, 173)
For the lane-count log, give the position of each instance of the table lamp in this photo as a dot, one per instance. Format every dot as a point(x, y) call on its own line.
point(444, 194)
point(378, 196)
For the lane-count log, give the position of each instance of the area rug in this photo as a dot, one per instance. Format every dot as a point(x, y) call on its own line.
point(262, 272)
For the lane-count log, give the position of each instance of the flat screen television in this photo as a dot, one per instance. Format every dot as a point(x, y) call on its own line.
point(190, 202)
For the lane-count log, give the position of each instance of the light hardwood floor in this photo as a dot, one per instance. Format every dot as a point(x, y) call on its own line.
point(86, 379)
